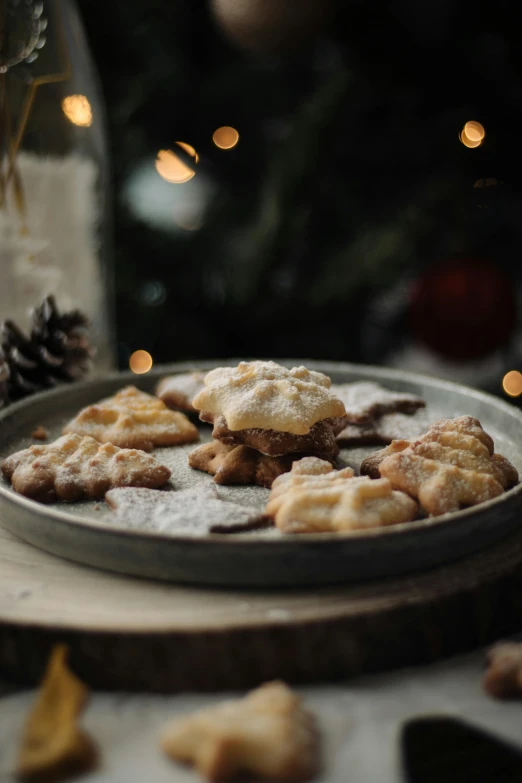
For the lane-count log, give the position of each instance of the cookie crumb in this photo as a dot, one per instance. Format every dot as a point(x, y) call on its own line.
point(39, 433)
point(503, 678)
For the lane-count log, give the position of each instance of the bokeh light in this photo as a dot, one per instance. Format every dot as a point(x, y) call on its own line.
point(140, 362)
point(172, 168)
point(512, 383)
point(153, 293)
point(472, 134)
point(225, 138)
point(474, 130)
point(78, 110)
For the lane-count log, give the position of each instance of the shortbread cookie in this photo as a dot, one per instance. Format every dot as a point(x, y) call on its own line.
point(451, 466)
point(383, 429)
point(190, 512)
point(133, 419)
point(178, 391)
point(320, 440)
point(365, 401)
point(315, 473)
point(503, 678)
point(239, 464)
point(267, 734)
point(78, 468)
point(267, 396)
point(323, 500)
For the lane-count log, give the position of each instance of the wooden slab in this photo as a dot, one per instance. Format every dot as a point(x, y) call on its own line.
point(133, 634)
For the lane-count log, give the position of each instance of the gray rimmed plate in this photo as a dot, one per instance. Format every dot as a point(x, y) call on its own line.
point(87, 533)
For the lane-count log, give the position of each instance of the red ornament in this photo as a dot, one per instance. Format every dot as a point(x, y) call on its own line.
point(463, 309)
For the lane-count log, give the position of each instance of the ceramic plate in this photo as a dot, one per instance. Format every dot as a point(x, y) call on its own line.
point(87, 533)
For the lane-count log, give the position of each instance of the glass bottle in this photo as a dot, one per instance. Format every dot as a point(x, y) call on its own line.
point(54, 225)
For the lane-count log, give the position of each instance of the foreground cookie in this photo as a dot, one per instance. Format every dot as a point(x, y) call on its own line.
point(54, 745)
point(190, 512)
point(239, 464)
point(79, 468)
point(451, 466)
point(503, 678)
point(133, 419)
point(267, 734)
point(365, 401)
point(178, 391)
point(267, 396)
point(314, 498)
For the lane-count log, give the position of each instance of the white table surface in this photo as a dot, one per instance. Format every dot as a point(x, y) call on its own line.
point(360, 722)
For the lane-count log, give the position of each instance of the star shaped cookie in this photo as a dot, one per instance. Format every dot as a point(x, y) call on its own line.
point(365, 401)
point(320, 440)
point(133, 419)
point(189, 512)
point(178, 391)
point(383, 429)
point(77, 467)
point(265, 395)
point(267, 734)
point(239, 464)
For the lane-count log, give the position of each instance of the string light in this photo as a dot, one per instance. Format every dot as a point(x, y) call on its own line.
point(512, 383)
point(78, 110)
point(140, 362)
point(225, 138)
point(172, 168)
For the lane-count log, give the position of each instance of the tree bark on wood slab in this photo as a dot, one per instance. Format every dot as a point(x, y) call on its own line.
point(139, 635)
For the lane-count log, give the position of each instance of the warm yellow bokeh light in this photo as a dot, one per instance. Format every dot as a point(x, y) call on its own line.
point(226, 137)
point(474, 130)
point(472, 134)
point(140, 362)
point(78, 110)
point(172, 168)
point(190, 149)
point(512, 383)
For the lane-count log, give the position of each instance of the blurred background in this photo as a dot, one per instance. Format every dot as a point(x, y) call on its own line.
point(317, 179)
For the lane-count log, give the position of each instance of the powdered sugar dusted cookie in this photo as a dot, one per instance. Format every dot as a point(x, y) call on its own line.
point(313, 472)
point(133, 419)
point(365, 401)
point(451, 466)
point(384, 429)
point(190, 512)
point(268, 734)
point(333, 501)
point(78, 468)
point(178, 391)
point(267, 396)
point(239, 464)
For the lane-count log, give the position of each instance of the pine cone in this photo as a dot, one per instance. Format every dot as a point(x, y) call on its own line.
point(4, 377)
point(57, 351)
